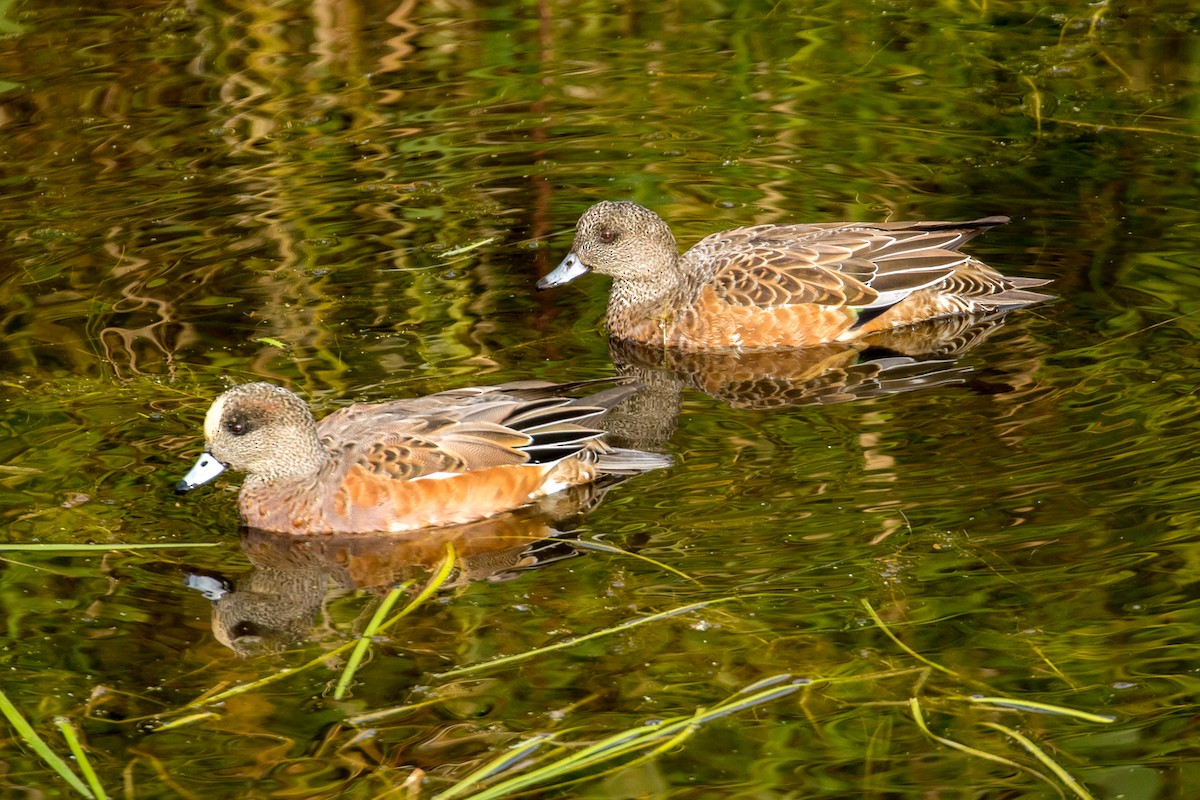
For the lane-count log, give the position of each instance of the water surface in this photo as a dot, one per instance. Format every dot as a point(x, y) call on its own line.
point(355, 199)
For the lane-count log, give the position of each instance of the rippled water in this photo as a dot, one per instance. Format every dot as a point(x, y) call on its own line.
point(355, 199)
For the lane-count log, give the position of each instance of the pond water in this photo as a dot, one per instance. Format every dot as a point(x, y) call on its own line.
point(355, 200)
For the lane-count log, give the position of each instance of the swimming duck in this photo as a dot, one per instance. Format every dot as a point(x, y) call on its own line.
point(445, 459)
point(783, 285)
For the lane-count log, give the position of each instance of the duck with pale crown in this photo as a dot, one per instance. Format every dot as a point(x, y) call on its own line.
point(445, 459)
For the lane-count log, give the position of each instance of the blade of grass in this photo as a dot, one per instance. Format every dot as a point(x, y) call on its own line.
point(242, 688)
point(435, 583)
point(368, 717)
point(684, 734)
point(607, 748)
point(575, 640)
point(1043, 708)
point(1053, 667)
point(181, 721)
point(758, 698)
point(90, 548)
point(1050, 763)
point(603, 547)
point(466, 248)
point(1036, 103)
point(85, 765)
point(11, 469)
point(39, 746)
point(915, 706)
point(1096, 126)
point(431, 587)
point(666, 733)
point(774, 680)
point(883, 627)
point(500, 763)
point(364, 642)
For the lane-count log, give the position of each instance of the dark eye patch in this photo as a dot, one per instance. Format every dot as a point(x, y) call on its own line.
point(245, 418)
point(244, 628)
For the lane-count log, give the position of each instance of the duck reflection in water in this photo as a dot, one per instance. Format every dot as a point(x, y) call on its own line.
point(889, 362)
point(294, 577)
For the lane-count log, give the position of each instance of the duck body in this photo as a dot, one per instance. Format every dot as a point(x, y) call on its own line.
point(445, 459)
point(769, 286)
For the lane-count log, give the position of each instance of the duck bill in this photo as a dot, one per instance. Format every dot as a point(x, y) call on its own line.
point(570, 269)
point(204, 470)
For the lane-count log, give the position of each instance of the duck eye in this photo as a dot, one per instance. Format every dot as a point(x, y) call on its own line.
point(607, 235)
point(244, 628)
point(237, 427)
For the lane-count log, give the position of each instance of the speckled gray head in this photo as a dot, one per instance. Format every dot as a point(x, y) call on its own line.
point(247, 428)
point(617, 238)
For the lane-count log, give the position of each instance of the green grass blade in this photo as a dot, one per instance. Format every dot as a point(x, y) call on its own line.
point(500, 763)
point(575, 640)
point(85, 765)
point(179, 722)
point(767, 683)
point(684, 734)
point(1052, 765)
point(431, 587)
point(681, 731)
point(364, 642)
point(466, 248)
point(242, 688)
point(39, 746)
point(370, 717)
point(883, 627)
point(618, 744)
point(604, 547)
point(605, 749)
point(757, 699)
point(1043, 708)
point(919, 717)
point(659, 737)
point(93, 548)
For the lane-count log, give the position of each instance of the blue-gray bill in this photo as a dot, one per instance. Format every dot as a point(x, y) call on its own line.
point(567, 271)
point(204, 470)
